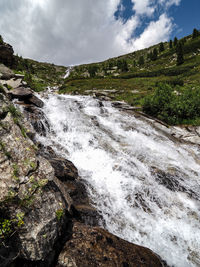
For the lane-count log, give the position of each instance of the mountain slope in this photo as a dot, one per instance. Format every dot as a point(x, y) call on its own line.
point(130, 79)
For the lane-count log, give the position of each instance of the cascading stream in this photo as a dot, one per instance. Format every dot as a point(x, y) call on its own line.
point(146, 186)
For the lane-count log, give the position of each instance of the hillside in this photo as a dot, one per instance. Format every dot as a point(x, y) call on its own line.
point(37, 75)
point(133, 76)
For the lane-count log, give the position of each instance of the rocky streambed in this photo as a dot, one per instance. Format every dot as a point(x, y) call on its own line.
point(46, 216)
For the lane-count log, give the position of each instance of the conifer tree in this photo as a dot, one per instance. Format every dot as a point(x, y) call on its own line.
point(195, 34)
point(170, 44)
point(161, 47)
point(124, 66)
point(179, 51)
point(155, 54)
point(141, 61)
point(175, 41)
point(1, 39)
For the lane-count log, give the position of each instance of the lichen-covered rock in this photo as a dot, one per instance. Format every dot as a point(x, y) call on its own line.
point(96, 247)
point(31, 199)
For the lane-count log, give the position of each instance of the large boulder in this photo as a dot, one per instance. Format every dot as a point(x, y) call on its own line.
point(26, 94)
point(93, 246)
point(21, 93)
point(5, 72)
point(6, 54)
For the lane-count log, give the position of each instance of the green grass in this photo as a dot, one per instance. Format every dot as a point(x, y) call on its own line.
point(39, 75)
point(138, 82)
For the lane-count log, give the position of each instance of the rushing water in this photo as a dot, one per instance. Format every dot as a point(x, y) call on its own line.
point(146, 186)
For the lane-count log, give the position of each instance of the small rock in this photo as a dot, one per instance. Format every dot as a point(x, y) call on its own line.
point(19, 76)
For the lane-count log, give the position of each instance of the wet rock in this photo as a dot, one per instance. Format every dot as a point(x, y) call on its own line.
point(87, 215)
point(96, 247)
point(37, 118)
point(66, 172)
point(172, 181)
point(77, 191)
point(64, 169)
point(35, 101)
point(26, 95)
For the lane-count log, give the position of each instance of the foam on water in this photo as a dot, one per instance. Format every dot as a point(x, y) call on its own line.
point(146, 186)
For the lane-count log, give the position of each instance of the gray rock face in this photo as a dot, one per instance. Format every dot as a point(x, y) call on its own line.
point(35, 206)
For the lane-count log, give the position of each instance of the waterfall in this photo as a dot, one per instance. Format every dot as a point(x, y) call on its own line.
point(144, 183)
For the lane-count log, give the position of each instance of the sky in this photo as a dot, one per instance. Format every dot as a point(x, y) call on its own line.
point(71, 32)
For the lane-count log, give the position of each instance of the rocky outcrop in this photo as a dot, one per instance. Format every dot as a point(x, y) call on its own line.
point(6, 54)
point(92, 246)
point(35, 214)
point(26, 95)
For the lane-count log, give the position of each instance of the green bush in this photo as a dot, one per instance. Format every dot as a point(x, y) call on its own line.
point(172, 82)
point(173, 106)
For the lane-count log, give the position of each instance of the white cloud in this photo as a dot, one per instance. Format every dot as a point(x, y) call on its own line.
point(156, 32)
point(169, 3)
point(143, 7)
point(77, 31)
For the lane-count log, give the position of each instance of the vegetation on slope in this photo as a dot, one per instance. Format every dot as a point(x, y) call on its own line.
point(39, 75)
point(134, 76)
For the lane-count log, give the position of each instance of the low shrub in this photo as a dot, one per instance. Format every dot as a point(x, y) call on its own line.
point(173, 105)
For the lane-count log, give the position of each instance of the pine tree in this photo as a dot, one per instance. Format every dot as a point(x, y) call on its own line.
point(179, 52)
point(155, 54)
point(161, 47)
point(122, 65)
point(1, 40)
point(170, 44)
point(175, 41)
point(141, 61)
point(151, 55)
point(195, 34)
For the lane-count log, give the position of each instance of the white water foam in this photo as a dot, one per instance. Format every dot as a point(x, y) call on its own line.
point(146, 186)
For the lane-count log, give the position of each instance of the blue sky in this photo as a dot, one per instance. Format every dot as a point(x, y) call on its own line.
point(185, 17)
point(71, 32)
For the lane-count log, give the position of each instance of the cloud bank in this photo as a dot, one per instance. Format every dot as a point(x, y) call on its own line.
point(81, 31)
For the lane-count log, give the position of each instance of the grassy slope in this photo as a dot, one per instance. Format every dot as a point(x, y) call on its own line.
point(138, 81)
point(40, 74)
